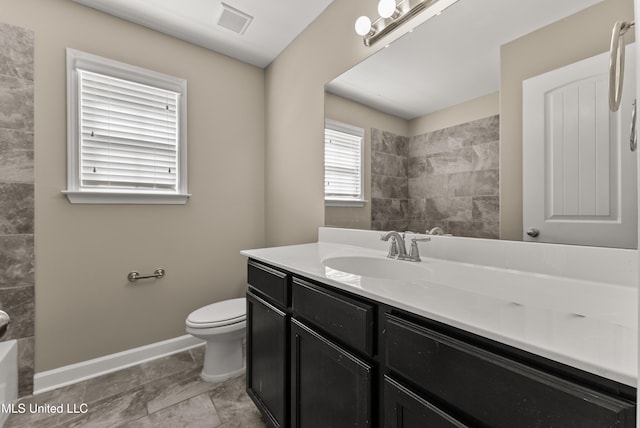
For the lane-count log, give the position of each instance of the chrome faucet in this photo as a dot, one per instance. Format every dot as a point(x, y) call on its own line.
point(436, 231)
point(397, 248)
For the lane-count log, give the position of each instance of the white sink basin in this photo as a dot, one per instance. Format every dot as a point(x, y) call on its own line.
point(377, 267)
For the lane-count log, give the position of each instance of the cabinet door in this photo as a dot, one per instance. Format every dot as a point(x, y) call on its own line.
point(329, 386)
point(267, 353)
point(405, 409)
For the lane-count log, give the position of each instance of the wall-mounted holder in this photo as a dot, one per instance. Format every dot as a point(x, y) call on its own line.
point(5, 320)
point(134, 276)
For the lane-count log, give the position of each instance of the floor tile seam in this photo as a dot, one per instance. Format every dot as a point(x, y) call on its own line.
point(131, 391)
point(194, 364)
point(180, 402)
point(139, 385)
point(215, 409)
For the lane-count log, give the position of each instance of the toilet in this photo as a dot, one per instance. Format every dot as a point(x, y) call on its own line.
point(222, 325)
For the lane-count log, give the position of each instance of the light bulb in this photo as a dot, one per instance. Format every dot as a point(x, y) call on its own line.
point(386, 8)
point(363, 25)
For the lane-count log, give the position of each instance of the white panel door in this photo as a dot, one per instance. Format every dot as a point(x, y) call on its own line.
point(579, 174)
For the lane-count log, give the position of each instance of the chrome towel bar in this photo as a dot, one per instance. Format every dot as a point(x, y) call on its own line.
point(134, 276)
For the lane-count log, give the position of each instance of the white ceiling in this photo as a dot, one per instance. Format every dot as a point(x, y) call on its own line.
point(275, 24)
point(452, 58)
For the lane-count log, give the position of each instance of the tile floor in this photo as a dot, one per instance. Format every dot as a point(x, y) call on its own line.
point(166, 392)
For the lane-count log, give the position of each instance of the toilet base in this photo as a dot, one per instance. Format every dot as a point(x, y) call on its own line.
point(223, 357)
point(221, 377)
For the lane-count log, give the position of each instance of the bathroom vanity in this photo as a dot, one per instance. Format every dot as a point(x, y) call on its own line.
point(411, 348)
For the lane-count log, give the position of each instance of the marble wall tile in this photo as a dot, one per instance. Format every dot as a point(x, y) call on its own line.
point(474, 229)
point(16, 208)
point(388, 142)
point(16, 156)
point(477, 183)
point(16, 108)
point(461, 160)
point(416, 209)
point(474, 132)
point(486, 156)
point(428, 186)
point(18, 303)
point(486, 208)
point(382, 209)
point(16, 166)
point(388, 187)
point(26, 355)
point(426, 144)
point(389, 165)
point(16, 52)
point(449, 209)
point(416, 166)
point(452, 179)
point(390, 224)
point(17, 266)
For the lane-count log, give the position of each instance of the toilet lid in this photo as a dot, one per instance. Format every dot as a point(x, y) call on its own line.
point(219, 314)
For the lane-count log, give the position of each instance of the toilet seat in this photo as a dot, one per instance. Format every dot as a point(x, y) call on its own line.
point(220, 314)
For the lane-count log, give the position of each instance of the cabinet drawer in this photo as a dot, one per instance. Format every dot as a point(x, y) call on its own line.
point(348, 320)
point(269, 282)
point(405, 409)
point(494, 390)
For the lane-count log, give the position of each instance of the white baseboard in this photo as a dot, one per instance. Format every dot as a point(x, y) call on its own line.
point(67, 375)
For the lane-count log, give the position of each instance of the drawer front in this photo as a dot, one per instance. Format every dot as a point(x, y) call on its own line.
point(269, 282)
point(494, 390)
point(348, 320)
point(405, 409)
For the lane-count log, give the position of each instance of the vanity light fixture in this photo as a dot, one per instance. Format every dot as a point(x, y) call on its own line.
point(394, 13)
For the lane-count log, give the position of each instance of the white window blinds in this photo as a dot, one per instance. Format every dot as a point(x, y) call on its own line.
point(129, 135)
point(342, 162)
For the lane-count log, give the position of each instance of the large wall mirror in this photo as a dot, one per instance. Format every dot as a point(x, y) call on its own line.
point(447, 123)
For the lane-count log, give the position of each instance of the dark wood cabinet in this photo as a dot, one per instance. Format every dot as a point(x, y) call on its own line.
point(268, 348)
point(492, 390)
point(405, 409)
point(344, 319)
point(329, 386)
point(321, 357)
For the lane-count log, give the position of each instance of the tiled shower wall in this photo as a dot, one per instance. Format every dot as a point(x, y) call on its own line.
point(389, 185)
point(452, 180)
point(17, 266)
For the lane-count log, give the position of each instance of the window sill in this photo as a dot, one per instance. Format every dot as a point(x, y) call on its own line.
point(76, 197)
point(339, 203)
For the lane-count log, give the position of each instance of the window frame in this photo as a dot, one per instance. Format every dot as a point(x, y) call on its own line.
point(75, 192)
point(354, 131)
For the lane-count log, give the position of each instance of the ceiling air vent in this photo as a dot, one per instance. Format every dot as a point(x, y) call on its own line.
point(233, 19)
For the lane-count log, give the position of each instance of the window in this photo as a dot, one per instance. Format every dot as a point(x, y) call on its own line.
point(343, 166)
point(126, 133)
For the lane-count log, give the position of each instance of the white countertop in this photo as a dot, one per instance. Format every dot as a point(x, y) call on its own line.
point(584, 324)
